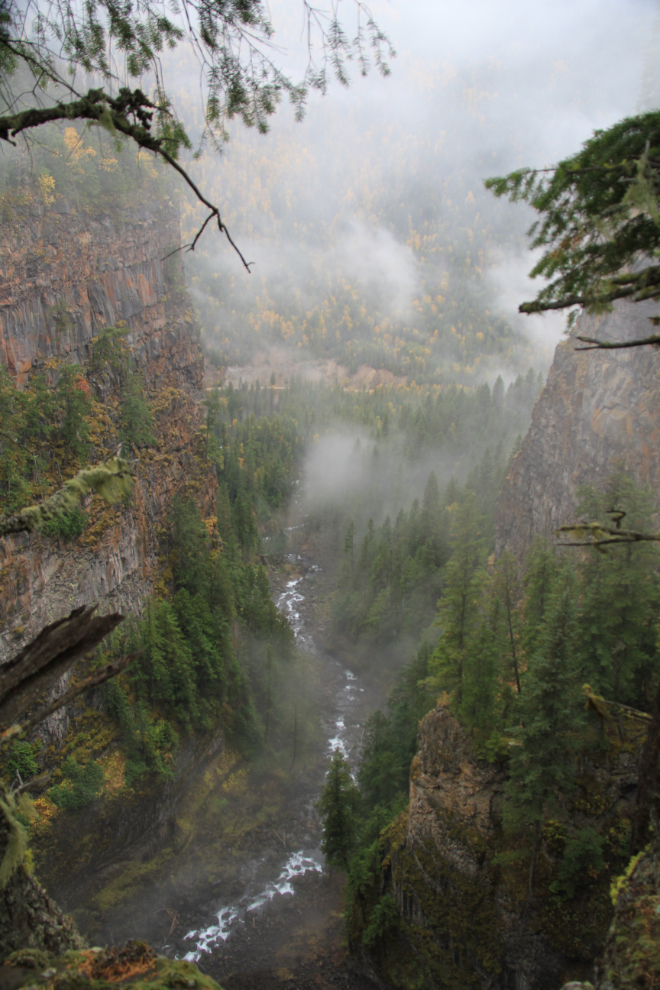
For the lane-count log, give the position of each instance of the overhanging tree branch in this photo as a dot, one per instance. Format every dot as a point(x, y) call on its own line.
point(611, 345)
point(599, 222)
point(112, 113)
point(599, 535)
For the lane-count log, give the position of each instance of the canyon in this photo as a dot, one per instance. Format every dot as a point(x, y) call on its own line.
point(66, 275)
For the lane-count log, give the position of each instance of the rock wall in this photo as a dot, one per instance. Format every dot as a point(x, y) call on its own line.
point(63, 277)
point(599, 410)
point(466, 917)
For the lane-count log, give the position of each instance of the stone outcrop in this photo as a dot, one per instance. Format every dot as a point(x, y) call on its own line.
point(463, 899)
point(63, 277)
point(599, 410)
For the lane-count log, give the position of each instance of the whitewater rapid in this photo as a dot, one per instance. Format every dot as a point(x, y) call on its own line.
point(341, 733)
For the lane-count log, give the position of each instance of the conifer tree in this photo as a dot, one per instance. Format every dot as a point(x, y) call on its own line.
point(620, 596)
point(338, 806)
point(550, 712)
point(542, 569)
point(460, 604)
point(136, 419)
point(506, 588)
point(380, 770)
point(74, 395)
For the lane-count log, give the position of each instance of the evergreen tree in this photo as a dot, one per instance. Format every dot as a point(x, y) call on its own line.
point(506, 588)
point(75, 402)
point(460, 604)
point(380, 767)
point(191, 543)
point(136, 419)
point(550, 713)
point(620, 598)
point(480, 673)
point(542, 572)
point(338, 806)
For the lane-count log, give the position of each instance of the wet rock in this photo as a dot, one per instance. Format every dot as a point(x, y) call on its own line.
point(597, 409)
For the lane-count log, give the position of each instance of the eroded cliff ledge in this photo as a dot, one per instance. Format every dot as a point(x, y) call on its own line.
point(598, 411)
point(461, 883)
point(63, 277)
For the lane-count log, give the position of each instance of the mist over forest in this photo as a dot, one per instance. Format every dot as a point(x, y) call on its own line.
point(329, 582)
point(373, 237)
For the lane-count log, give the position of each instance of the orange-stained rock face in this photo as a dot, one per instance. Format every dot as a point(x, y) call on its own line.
point(599, 410)
point(63, 277)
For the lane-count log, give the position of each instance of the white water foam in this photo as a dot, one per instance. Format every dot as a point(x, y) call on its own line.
point(206, 939)
point(231, 916)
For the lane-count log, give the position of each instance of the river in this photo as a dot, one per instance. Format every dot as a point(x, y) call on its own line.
point(286, 893)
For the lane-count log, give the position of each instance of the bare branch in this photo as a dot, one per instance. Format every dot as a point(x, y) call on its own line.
point(99, 677)
point(610, 345)
point(110, 112)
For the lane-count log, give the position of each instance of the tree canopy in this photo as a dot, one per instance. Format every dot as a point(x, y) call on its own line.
point(46, 46)
point(599, 225)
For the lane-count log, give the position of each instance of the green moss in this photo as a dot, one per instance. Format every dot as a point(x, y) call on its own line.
point(131, 879)
point(29, 958)
point(134, 964)
point(632, 956)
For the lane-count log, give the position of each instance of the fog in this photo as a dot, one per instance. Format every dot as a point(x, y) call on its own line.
point(372, 237)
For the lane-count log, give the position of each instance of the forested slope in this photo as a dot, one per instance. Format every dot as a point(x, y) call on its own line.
point(385, 257)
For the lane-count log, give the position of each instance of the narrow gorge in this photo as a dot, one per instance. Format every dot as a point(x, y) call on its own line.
point(329, 553)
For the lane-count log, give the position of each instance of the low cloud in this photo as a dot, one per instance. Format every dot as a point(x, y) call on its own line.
point(509, 277)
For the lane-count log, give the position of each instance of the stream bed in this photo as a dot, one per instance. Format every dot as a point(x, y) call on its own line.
point(293, 884)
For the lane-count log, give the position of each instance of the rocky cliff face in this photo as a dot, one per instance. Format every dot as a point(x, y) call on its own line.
point(64, 276)
point(598, 411)
point(461, 886)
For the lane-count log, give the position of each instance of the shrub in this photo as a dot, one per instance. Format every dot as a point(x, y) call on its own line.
point(68, 526)
point(22, 760)
point(83, 784)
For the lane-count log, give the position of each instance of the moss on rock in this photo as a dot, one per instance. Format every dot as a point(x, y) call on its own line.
point(133, 964)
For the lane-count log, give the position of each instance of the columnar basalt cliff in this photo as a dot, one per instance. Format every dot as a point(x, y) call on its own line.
point(599, 410)
point(64, 276)
point(460, 883)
